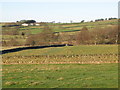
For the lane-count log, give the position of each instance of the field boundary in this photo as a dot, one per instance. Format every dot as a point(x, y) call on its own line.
point(62, 59)
point(63, 63)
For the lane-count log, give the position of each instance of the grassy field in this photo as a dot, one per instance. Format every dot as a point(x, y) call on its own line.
point(83, 54)
point(60, 76)
point(84, 66)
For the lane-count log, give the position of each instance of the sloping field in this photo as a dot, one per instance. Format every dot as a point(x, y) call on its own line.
point(68, 26)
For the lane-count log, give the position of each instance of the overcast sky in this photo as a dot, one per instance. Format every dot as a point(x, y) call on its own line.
point(57, 10)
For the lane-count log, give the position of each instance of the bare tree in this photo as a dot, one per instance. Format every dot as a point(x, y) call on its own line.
point(83, 37)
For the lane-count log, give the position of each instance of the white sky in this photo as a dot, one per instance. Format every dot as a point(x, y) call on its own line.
point(57, 10)
point(59, 0)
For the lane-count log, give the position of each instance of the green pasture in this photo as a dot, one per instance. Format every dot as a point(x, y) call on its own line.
point(30, 75)
point(60, 76)
point(68, 26)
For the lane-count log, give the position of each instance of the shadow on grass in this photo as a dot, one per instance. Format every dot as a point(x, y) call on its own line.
point(26, 48)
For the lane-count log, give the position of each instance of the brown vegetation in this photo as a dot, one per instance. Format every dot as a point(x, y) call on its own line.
point(99, 35)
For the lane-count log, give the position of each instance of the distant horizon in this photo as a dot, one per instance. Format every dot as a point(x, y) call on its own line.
point(55, 21)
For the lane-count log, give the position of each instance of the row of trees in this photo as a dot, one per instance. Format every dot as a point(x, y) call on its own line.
point(26, 21)
point(104, 19)
point(96, 20)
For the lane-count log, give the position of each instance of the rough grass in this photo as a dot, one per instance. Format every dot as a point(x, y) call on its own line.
point(61, 76)
point(83, 54)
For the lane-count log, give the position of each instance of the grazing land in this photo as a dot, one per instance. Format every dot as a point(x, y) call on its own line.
point(44, 68)
point(60, 76)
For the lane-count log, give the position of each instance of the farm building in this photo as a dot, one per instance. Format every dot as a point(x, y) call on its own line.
point(37, 24)
point(24, 24)
point(31, 24)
